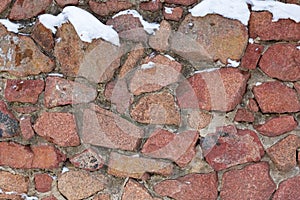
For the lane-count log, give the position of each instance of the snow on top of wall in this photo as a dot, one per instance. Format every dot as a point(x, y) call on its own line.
point(10, 26)
point(232, 63)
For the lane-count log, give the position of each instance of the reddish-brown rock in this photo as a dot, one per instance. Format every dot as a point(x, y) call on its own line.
point(25, 9)
point(102, 197)
point(59, 128)
point(174, 14)
point(42, 182)
point(275, 97)
point(26, 128)
point(243, 115)
point(159, 108)
point(63, 3)
point(4, 5)
point(230, 146)
point(88, 159)
point(181, 2)
point(191, 186)
point(137, 167)
point(198, 119)
point(283, 153)
point(104, 128)
point(13, 182)
point(43, 36)
point(297, 87)
point(134, 190)
point(220, 89)
point(10, 197)
point(9, 126)
point(108, 7)
point(282, 61)
point(25, 91)
point(251, 56)
point(251, 182)
point(50, 198)
point(25, 109)
point(160, 41)
point(60, 91)
point(277, 126)
point(152, 6)
point(261, 25)
point(293, 1)
point(288, 189)
point(252, 105)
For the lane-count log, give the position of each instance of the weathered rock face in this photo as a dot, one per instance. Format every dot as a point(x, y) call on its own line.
point(9, 125)
point(63, 3)
point(43, 182)
point(160, 41)
point(12, 182)
point(4, 5)
point(43, 37)
point(88, 159)
point(288, 189)
point(182, 2)
point(134, 190)
point(109, 7)
point(252, 56)
point(175, 14)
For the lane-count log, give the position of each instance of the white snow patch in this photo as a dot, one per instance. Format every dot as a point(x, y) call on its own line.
point(168, 10)
point(56, 74)
point(135, 156)
point(64, 170)
point(1, 191)
point(251, 41)
point(10, 26)
point(11, 193)
point(298, 47)
point(51, 21)
point(58, 40)
point(232, 63)
point(206, 70)
point(148, 27)
point(258, 83)
point(170, 57)
point(25, 197)
point(148, 65)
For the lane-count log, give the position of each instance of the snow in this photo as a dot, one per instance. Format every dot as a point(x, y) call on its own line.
point(168, 10)
point(56, 74)
point(24, 196)
point(86, 25)
point(148, 27)
point(258, 83)
point(149, 65)
point(64, 170)
point(232, 63)
point(10, 26)
point(298, 47)
point(206, 70)
point(170, 57)
point(251, 41)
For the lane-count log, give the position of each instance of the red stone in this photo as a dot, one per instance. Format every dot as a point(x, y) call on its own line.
point(282, 61)
point(10, 197)
point(50, 198)
point(102, 197)
point(89, 160)
point(43, 36)
point(108, 7)
point(181, 2)
point(275, 97)
point(25, 9)
point(251, 56)
point(25, 109)
point(63, 3)
point(59, 128)
point(293, 1)
point(297, 87)
point(42, 182)
point(261, 25)
point(160, 41)
point(134, 190)
point(9, 126)
point(288, 189)
point(4, 4)
point(175, 15)
point(13, 182)
point(26, 128)
point(243, 115)
point(152, 6)
point(230, 146)
point(198, 119)
point(251, 182)
point(25, 91)
point(221, 90)
point(252, 105)
point(277, 126)
point(191, 186)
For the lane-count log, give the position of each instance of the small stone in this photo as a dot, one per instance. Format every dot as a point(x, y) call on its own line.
point(13, 182)
point(137, 167)
point(160, 41)
point(252, 105)
point(152, 6)
point(102, 197)
point(252, 55)
point(42, 182)
point(275, 97)
point(134, 190)
point(50, 198)
point(26, 128)
point(175, 15)
point(181, 2)
point(59, 128)
point(89, 160)
point(288, 189)
point(277, 126)
point(261, 25)
point(76, 185)
point(243, 115)
point(283, 153)
point(159, 108)
point(281, 61)
point(25, 91)
point(191, 186)
point(251, 182)
point(25, 9)
point(229, 146)
point(63, 3)
point(43, 36)
point(109, 7)
point(159, 72)
point(4, 5)
point(25, 109)
point(199, 119)
point(60, 91)
point(9, 126)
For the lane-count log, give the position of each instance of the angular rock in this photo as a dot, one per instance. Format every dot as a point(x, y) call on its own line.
point(26, 128)
point(175, 14)
point(59, 128)
point(110, 6)
point(137, 167)
point(179, 148)
point(102, 197)
point(199, 119)
point(210, 38)
point(262, 26)
point(275, 97)
point(134, 190)
point(251, 182)
point(159, 108)
point(43, 36)
point(229, 146)
point(43, 182)
point(4, 5)
point(288, 189)
point(252, 55)
point(9, 125)
point(191, 186)
point(63, 3)
point(160, 41)
point(252, 105)
point(152, 6)
point(75, 185)
point(243, 115)
point(60, 91)
point(25, 91)
point(154, 74)
point(104, 128)
point(220, 90)
point(13, 182)
point(282, 61)
point(283, 153)
point(277, 126)
point(25, 9)
point(88, 159)
point(181, 2)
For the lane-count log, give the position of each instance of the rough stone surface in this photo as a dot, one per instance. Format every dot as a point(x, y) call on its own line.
point(277, 126)
point(25, 9)
point(160, 41)
point(282, 61)
point(229, 146)
point(261, 25)
point(158, 108)
point(102, 197)
point(137, 167)
point(283, 153)
point(9, 126)
point(251, 182)
point(109, 7)
point(25, 91)
point(181, 2)
point(10, 197)
point(13, 182)
point(179, 148)
point(75, 185)
point(252, 105)
point(50, 198)
point(159, 72)
point(243, 115)
point(104, 128)
point(175, 15)
point(63, 3)
point(42, 182)
point(220, 89)
point(59, 128)
point(26, 128)
point(152, 6)
point(4, 5)
point(252, 55)
point(134, 190)
point(191, 186)
point(88, 159)
point(60, 92)
point(199, 119)
point(275, 97)
point(43, 36)
point(288, 189)
point(25, 109)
